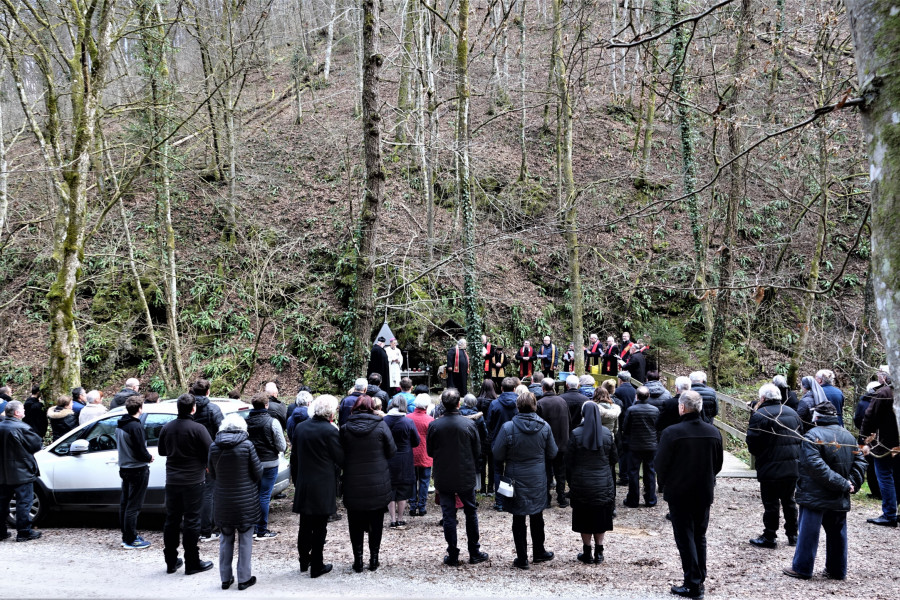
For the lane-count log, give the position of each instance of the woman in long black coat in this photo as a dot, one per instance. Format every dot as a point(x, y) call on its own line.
point(235, 467)
point(592, 488)
point(368, 444)
point(403, 469)
point(316, 459)
point(525, 445)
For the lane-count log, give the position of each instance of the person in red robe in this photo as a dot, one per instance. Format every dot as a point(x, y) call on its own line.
point(610, 363)
point(487, 351)
point(525, 356)
point(592, 353)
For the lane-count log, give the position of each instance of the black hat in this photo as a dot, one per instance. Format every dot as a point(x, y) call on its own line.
point(825, 408)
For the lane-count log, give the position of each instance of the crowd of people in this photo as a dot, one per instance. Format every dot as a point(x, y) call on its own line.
point(381, 449)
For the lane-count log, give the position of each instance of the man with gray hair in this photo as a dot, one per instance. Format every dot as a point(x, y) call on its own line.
point(688, 458)
point(773, 437)
point(458, 367)
point(359, 388)
point(93, 409)
point(18, 470)
point(825, 378)
point(710, 401)
point(131, 389)
point(574, 400)
point(668, 414)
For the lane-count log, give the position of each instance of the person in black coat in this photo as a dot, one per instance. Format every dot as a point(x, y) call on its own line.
point(864, 402)
point(524, 445)
point(788, 396)
point(35, 416)
point(879, 431)
point(458, 368)
point(483, 404)
point(710, 401)
point(453, 442)
point(831, 468)
point(316, 459)
point(62, 417)
point(591, 451)
point(573, 399)
point(639, 440)
point(210, 416)
point(18, 470)
point(773, 437)
point(368, 445)
point(554, 410)
point(235, 467)
point(378, 362)
point(403, 470)
point(688, 458)
point(625, 394)
point(636, 364)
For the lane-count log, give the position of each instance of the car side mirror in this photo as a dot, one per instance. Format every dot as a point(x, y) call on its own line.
point(78, 447)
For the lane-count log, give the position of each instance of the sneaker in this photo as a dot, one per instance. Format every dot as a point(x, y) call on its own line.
point(883, 521)
point(792, 573)
point(138, 544)
point(31, 535)
point(212, 537)
point(266, 535)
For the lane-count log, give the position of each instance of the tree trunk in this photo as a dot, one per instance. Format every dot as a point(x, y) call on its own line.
point(329, 40)
point(876, 37)
point(404, 96)
point(735, 194)
point(652, 58)
point(523, 167)
point(554, 52)
point(364, 298)
point(4, 165)
point(463, 184)
point(777, 52)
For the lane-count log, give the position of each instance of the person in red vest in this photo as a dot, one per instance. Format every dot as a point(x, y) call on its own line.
point(486, 351)
point(593, 353)
point(525, 356)
point(610, 362)
point(458, 367)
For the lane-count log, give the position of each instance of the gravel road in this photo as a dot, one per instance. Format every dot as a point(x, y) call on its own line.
point(80, 556)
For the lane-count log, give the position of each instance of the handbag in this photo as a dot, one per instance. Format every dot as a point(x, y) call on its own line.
point(507, 487)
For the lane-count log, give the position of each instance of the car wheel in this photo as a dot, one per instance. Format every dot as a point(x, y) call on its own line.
point(38, 509)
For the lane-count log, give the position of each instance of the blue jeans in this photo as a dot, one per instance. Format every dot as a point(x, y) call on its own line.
point(835, 525)
point(887, 470)
point(423, 477)
point(24, 495)
point(266, 483)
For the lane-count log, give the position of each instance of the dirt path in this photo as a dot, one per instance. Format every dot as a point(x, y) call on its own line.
point(641, 560)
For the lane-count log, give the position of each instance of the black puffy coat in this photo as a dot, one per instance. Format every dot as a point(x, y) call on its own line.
point(524, 445)
point(234, 465)
point(368, 444)
point(591, 480)
point(658, 393)
point(406, 437)
point(555, 411)
point(62, 421)
point(829, 463)
point(639, 427)
point(316, 458)
point(120, 398)
point(710, 402)
point(453, 442)
point(209, 415)
point(18, 443)
point(773, 437)
point(35, 416)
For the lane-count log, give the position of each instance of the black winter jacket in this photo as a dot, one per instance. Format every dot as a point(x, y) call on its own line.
point(259, 429)
point(234, 465)
point(120, 398)
point(555, 411)
point(688, 458)
point(637, 366)
point(658, 393)
point(453, 442)
point(574, 401)
point(209, 415)
point(524, 445)
point(826, 469)
point(316, 459)
point(591, 480)
point(668, 414)
point(406, 437)
point(35, 416)
point(186, 444)
point(710, 402)
point(639, 427)
point(18, 443)
point(501, 411)
point(62, 421)
point(881, 420)
point(131, 442)
point(774, 438)
point(368, 444)
point(278, 411)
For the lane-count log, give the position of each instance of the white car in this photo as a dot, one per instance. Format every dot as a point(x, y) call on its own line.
point(80, 471)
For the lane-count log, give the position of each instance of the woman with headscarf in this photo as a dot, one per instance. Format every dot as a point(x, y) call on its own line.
point(592, 489)
point(813, 394)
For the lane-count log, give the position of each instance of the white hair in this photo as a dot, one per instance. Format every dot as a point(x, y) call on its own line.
point(361, 385)
point(697, 377)
point(304, 398)
point(624, 375)
point(770, 391)
point(423, 401)
point(324, 406)
point(272, 389)
point(871, 386)
point(233, 422)
point(521, 389)
point(586, 380)
point(780, 381)
point(132, 383)
point(825, 377)
point(682, 384)
point(470, 401)
point(572, 382)
point(461, 343)
point(691, 401)
point(93, 397)
point(593, 336)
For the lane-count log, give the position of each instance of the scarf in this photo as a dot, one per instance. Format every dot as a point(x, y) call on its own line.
point(591, 426)
point(527, 354)
point(487, 357)
point(625, 350)
point(813, 386)
point(456, 362)
point(552, 354)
